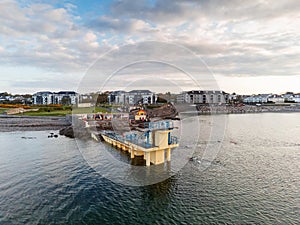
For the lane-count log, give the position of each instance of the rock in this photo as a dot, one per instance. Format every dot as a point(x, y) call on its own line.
point(78, 132)
point(68, 132)
point(62, 131)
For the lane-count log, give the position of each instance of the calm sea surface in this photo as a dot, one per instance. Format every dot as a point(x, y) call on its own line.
point(255, 179)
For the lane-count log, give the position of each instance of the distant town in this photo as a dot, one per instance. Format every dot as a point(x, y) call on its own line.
point(145, 97)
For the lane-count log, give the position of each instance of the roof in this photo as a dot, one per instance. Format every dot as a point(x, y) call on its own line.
point(66, 93)
point(140, 91)
point(206, 92)
point(60, 93)
point(116, 93)
point(44, 93)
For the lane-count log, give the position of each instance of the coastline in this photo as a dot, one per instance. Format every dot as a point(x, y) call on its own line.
point(245, 109)
point(32, 123)
point(12, 123)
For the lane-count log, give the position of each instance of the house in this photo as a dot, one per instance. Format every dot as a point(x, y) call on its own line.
point(288, 97)
point(277, 99)
point(203, 97)
point(85, 98)
point(297, 98)
point(141, 97)
point(117, 97)
point(133, 97)
point(2, 98)
point(66, 98)
point(62, 97)
point(183, 97)
point(42, 98)
point(261, 98)
point(291, 97)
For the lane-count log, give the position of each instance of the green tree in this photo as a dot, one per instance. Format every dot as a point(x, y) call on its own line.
point(66, 100)
point(102, 99)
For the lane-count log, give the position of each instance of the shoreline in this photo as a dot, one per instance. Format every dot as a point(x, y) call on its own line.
point(34, 123)
point(10, 123)
point(245, 109)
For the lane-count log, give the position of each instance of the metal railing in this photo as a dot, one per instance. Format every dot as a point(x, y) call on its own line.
point(173, 140)
point(143, 139)
point(160, 125)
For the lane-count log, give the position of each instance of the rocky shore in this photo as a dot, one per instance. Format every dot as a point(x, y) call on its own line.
point(227, 109)
point(36, 123)
point(32, 123)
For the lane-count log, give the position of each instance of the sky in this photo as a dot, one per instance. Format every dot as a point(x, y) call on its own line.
point(237, 46)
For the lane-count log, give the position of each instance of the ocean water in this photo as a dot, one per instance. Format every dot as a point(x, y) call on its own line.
point(254, 179)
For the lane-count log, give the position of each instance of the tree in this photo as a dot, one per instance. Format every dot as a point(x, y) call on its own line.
point(161, 100)
point(66, 100)
point(102, 98)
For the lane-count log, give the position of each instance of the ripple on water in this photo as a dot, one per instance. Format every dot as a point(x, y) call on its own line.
point(256, 180)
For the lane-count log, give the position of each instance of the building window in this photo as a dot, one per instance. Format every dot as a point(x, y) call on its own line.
point(219, 98)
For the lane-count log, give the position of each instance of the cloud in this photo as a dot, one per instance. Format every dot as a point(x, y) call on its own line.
point(104, 24)
point(43, 36)
point(234, 38)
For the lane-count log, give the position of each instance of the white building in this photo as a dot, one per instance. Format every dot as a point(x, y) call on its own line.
point(292, 98)
point(261, 98)
point(133, 97)
point(85, 98)
point(203, 97)
point(62, 97)
point(183, 97)
point(276, 99)
point(272, 98)
point(297, 98)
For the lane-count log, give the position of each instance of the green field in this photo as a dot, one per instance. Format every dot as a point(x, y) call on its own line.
point(51, 113)
point(90, 110)
point(63, 112)
point(2, 110)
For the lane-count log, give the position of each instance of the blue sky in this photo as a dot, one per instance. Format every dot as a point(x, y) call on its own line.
point(250, 46)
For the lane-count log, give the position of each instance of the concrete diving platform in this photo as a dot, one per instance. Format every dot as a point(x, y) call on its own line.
point(154, 144)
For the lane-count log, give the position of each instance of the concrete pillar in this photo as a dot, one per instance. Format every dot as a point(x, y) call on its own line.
point(158, 156)
point(132, 153)
point(147, 158)
point(168, 154)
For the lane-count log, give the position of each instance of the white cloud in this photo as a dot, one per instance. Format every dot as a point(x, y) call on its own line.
point(235, 38)
point(42, 36)
point(90, 37)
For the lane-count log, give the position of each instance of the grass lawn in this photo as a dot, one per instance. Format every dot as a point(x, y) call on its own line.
point(2, 110)
point(90, 110)
point(67, 111)
point(51, 113)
